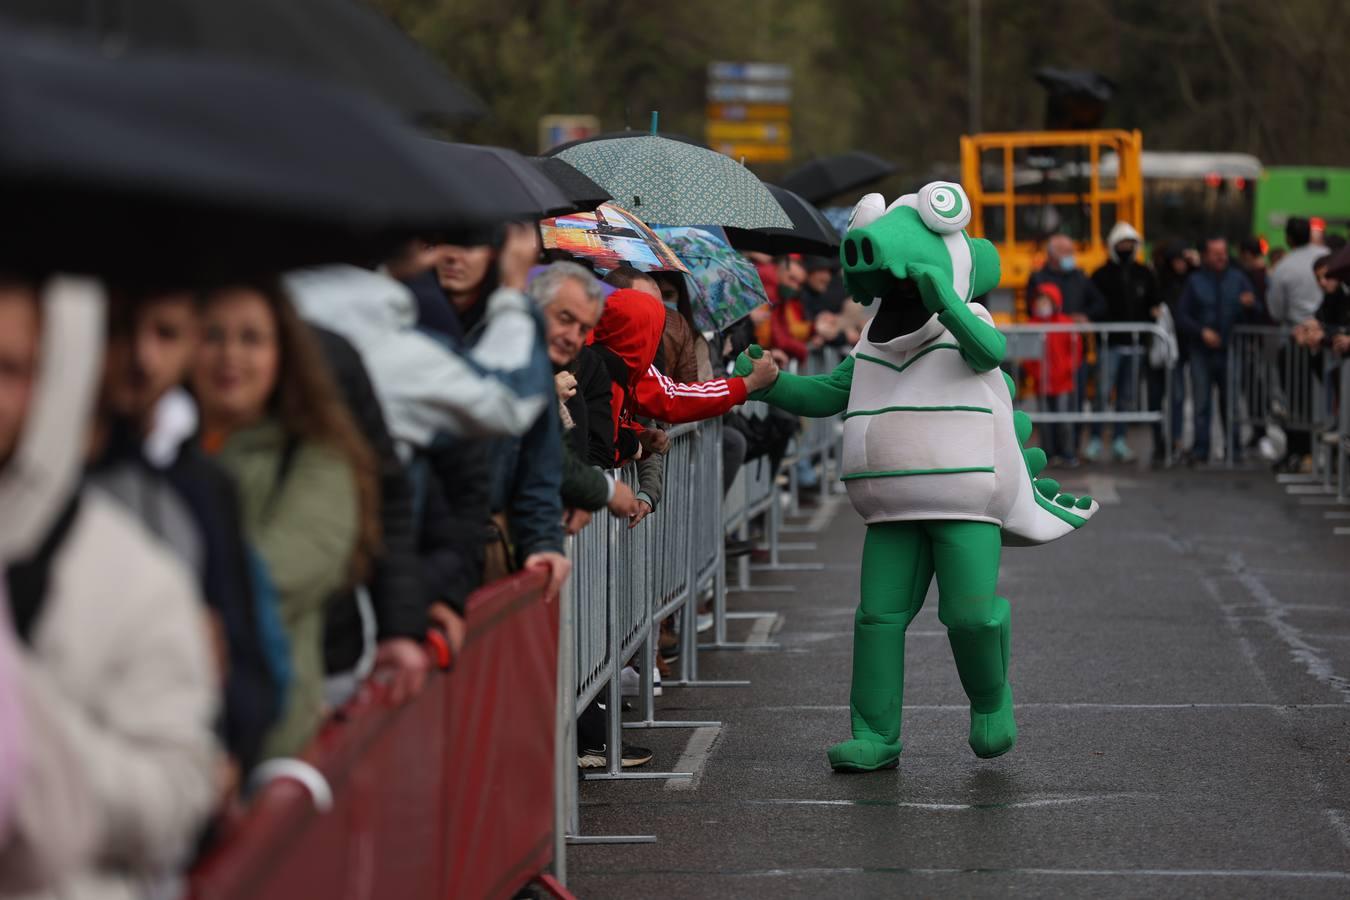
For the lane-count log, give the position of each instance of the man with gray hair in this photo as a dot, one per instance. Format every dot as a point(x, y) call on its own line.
point(571, 301)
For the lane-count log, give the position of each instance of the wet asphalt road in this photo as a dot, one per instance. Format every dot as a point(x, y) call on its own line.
point(1182, 675)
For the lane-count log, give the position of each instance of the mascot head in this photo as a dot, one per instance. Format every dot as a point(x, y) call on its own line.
point(927, 227)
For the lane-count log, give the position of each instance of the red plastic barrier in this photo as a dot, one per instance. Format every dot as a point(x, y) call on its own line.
point(450, 795)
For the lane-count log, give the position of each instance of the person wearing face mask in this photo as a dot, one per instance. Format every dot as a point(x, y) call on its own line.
point(1053, 375)
point(782, 325)
point(1083, 303)
point(1131, 294)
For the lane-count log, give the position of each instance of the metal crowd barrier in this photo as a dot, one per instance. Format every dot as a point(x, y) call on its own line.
point(1275, 382)
point(1343, 434)
point(625, 581)
point(1114, 382)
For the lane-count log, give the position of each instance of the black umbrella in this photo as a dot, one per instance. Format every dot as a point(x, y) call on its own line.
point(345, 41)
point(584, 194)
point(157, 166)
point(519, 189)
point(823, 178)
point(810, 233)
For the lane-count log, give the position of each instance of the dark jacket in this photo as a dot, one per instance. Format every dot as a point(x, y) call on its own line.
point(1334, 313)
point(592, 438)
point(194, 486)
point(452, 479)
point(527, 471)
point(1130, 291)
point(1081, 296)
point(1210, 300)
point(396, 591)
point(584, 485)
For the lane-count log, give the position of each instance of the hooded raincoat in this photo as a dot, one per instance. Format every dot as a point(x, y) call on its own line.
point(630, 332)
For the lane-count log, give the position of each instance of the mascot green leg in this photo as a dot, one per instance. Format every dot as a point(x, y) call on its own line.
point(966, 558)
point(899, 560)
point(896, 568)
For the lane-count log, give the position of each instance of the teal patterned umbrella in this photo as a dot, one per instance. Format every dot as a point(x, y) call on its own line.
point(662, 180)
point(729, 286)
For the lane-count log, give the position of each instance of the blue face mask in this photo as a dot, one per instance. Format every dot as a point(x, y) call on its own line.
point(1068, 263)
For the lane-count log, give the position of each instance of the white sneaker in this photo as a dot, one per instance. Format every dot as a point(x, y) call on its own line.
point(705, 622)
point(656, 682)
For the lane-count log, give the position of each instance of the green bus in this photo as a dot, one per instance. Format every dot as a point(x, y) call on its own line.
point(1314, 192)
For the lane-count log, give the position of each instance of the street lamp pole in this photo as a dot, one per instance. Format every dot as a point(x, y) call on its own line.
point(974, 73)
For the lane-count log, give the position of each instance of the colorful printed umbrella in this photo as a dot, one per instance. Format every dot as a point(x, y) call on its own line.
point(676, 183)
point(610, 237)
point(729, 286)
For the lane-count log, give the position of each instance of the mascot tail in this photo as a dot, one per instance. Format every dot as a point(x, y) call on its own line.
point(1041, 512)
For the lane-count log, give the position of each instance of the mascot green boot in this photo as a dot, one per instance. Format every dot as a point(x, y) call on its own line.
point(933, 461)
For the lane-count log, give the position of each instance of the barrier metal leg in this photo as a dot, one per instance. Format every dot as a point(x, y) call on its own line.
point(720, 616)
point(647, 689)
point(775, 517)
point(614, 748)
point(689, 651)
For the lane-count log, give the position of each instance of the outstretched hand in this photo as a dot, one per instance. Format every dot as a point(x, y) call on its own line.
point(757, 368)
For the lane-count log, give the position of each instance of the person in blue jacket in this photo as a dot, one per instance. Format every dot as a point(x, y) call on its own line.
point(1216, 297)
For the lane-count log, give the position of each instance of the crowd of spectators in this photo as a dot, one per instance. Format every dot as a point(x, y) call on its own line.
point(1196, 295)
point(290, 487)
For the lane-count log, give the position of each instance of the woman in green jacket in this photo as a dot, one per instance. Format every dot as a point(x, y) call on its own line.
point(307, 480)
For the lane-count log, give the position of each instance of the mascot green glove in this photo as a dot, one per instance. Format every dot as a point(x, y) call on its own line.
point(933, 461)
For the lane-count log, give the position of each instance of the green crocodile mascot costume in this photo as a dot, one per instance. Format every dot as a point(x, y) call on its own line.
point(933, 461)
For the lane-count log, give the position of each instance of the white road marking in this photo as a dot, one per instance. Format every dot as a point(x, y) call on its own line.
point(1102, 707)
point(956, 807)
point(823, 514)
point(763, 627)
point(1314, 662)
point(695, 754)
point(1338, 823)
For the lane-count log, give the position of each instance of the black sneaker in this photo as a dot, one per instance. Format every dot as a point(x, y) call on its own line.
point(738, 548)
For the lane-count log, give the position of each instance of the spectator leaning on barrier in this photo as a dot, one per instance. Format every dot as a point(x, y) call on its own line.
point(1292, 300)
point(396, 594)
point(1333, 316)
point(114, 662)
point(527, 471)
point(144, 455)
point(571, 301)
point(307, 480)
point(1131, 292)
point(1294, 294)
point(1211, 303)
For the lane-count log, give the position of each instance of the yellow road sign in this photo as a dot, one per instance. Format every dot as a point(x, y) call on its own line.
point(758, 132)
point(749, 112)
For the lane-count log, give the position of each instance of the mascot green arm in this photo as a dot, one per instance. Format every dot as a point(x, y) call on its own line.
point(813, 396)
point(982, 345)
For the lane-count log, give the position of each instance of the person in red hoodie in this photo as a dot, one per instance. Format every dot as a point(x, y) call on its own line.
point(626, 338)
point(1062, 355)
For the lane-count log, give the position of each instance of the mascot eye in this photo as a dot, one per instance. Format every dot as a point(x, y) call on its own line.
point(944, 207)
